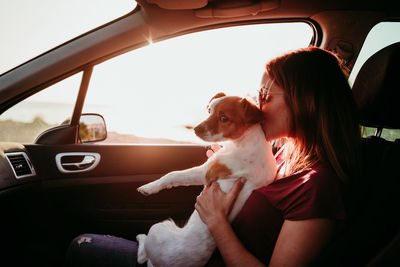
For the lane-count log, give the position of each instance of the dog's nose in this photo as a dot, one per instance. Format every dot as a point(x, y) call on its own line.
point(198, 130)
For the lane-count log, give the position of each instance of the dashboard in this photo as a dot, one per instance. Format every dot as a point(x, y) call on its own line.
point(15, 165)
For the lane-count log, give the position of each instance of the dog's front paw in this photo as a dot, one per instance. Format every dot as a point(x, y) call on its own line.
point(149, 189)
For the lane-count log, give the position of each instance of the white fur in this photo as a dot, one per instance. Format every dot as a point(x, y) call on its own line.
point(209, 137)
point(214, 103)
point(166, 244)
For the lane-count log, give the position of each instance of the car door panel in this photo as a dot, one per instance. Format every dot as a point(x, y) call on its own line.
point(108, 192)
point(117, 160)
point(50, 209)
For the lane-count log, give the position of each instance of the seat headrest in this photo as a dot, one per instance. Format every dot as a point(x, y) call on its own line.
point(376, 89)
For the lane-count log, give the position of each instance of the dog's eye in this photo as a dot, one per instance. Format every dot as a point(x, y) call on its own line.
point(223, 118)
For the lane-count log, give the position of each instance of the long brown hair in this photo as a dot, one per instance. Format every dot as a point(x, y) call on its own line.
point(325, 124)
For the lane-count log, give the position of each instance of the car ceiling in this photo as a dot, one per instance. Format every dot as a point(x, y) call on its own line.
point(154, 20)
point(274, 8)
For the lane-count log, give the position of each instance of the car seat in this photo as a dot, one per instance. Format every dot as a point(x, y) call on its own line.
point(372, 237)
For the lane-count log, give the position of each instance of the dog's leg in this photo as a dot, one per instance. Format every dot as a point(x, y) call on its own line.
point(192, 176)
point(141, 254)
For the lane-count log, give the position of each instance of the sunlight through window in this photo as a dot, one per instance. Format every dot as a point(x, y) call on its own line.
point(161, 90)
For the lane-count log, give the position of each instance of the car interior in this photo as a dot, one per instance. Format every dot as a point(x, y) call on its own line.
point(68, 182)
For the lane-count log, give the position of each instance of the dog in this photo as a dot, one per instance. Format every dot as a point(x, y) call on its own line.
point(235, 121)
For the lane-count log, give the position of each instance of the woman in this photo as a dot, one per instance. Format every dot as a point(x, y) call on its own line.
point(307, 101)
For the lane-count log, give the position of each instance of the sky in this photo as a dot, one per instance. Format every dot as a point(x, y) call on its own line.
point(31, 27)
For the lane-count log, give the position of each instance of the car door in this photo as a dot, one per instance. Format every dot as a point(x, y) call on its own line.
point(80, 187)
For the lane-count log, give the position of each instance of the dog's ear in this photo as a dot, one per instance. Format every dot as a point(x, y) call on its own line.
point(214, 97)
point(217, 96)
point(252, 113)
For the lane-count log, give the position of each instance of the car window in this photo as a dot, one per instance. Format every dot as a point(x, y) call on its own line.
point(50, 107)
point(380, 36)
point(156, 94)
point(29, 28)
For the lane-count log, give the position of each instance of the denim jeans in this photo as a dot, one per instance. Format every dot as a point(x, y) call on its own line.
point(101, 251)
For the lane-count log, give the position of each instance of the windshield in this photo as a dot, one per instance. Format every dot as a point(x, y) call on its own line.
point(30, 28)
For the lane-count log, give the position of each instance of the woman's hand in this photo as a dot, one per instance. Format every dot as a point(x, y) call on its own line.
point(214, 148)
point(213, 204)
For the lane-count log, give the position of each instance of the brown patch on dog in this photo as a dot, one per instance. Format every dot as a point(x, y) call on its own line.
point(231, 117)
point(217, 171)
point(251, 112)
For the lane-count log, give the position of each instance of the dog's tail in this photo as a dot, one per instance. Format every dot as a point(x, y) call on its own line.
point(142, 254)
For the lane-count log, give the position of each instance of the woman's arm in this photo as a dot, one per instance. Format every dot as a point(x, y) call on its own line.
point(230, 247)
point(213, 206)
point(299, 242)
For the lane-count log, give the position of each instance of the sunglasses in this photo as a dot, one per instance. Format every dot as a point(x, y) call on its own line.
point(265, 92)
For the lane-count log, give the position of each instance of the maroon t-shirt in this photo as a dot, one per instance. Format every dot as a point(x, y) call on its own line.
point(313, 193)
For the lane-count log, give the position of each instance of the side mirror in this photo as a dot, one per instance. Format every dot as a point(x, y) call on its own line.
point(92, 128)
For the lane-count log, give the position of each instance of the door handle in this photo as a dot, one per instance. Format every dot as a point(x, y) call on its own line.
point(72, 162)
